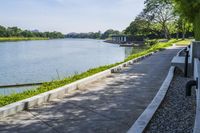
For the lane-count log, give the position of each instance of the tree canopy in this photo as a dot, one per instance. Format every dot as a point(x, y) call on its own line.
point(160, 19)
point(190, 10)
point(108, 33)
point(160, 12)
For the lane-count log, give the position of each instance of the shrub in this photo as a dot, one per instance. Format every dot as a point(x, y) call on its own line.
point(151, 42)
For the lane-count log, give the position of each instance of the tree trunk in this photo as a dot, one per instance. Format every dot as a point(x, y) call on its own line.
point(197, 27)
point(177, 35)
point(166, 36)
point(183, 36)
point(166, 33)
point(183, 29)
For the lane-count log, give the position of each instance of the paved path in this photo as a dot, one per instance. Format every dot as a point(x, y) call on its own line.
point(109, 105)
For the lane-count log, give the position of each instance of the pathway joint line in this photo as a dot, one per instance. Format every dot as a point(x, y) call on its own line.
point(36, 117)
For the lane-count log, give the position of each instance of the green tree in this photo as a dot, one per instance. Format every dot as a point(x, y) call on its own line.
point(139, 27)
point(108, 33)
point(27, 33)
point(161, 12)
point(143, 28)
point(14, 31)
point(190, 10)
point(183, 26)
point(2, 31)
point(17, 32)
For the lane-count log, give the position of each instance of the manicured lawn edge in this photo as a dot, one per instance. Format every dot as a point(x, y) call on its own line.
point(5, 100)
point(184, 42)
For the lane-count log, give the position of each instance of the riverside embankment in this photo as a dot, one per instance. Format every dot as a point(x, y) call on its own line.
point(43, 61)
point(108, 105)
point(4, 100)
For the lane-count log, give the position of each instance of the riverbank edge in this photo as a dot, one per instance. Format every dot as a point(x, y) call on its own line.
point(9, 104)
point(13, 39)
point(61, 91)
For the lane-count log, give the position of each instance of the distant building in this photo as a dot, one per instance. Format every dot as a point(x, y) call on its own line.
point(119, 38)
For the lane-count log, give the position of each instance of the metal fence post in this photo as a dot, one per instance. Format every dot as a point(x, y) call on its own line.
point(186, 63)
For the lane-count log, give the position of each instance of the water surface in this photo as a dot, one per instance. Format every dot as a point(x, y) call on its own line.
point(46, 60)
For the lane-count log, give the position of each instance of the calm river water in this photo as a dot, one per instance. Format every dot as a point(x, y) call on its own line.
point(39, 61)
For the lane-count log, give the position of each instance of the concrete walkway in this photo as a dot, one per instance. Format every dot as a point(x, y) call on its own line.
point(109, 105)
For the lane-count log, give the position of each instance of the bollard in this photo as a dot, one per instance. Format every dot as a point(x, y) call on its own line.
point(186, 63)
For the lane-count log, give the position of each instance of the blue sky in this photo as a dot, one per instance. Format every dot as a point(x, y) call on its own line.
point(69, 15)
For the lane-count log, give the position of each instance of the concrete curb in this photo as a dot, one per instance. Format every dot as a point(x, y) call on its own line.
point(142, 122)
point(61, 91)
point(197, 117)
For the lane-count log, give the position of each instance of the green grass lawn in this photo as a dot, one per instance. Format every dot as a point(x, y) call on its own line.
point(5, 39)
point(184, 42)
point(5, 100)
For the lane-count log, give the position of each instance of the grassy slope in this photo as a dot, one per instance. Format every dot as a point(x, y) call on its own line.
point(5, 100)
point(5, 39)
point(184, 42)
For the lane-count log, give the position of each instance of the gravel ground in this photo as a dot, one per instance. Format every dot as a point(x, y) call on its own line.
point(177, 112)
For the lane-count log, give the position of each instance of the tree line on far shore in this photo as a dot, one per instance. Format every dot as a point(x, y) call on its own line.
point(93, 35)
point(17, 32)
